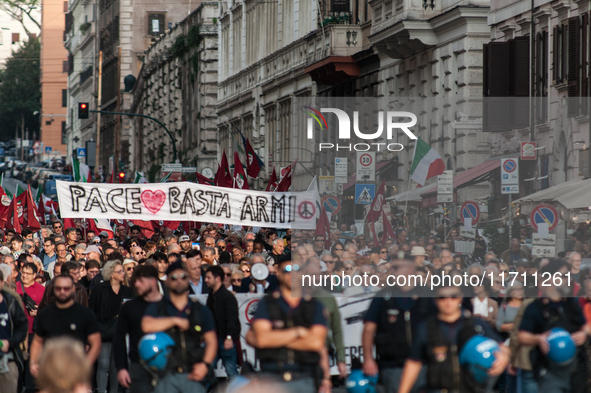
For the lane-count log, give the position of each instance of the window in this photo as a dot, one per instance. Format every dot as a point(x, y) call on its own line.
point(65, 66)
point(64, 98)
point(541, 77)
point(64, 138)
point(156, 24)
point(65, 6)
point(15, 38)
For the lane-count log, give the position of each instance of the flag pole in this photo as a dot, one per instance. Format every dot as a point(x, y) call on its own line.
point(409, 176)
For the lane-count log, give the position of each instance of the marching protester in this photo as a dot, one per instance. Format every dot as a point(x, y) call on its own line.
point(190, 325)
point(132, 375)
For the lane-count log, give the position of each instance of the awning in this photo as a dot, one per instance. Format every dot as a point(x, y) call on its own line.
point(573, 194)
point(413, 195)
point(475, 175)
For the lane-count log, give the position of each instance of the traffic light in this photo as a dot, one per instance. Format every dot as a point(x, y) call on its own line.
point(121, 177)
point(83, 110)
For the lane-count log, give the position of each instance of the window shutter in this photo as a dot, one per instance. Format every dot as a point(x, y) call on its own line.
point(584, 80)
point(519, 58)
point(485, 71)
point(495, 108)
point(564, 54)
point(574, 56)
point(555, 55)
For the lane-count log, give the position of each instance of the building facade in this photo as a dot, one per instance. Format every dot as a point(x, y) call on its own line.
point(54, 80)
point(13, 31)
point(177, 86)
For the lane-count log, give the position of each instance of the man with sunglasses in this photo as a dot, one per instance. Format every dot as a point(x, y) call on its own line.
point(438, 342)
point(57, 228)
point(289, 333)
point(65, 318)
point(189, 324)
point(137, 253)
point(393, 315)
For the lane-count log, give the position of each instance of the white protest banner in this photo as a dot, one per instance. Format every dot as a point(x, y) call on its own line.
point(352, 310)
point(183, 201)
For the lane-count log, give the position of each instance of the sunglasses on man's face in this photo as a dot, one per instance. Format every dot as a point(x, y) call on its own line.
point(237, 280)
point(448, 297)
point(180, 276)
point(57, 227)
point(245, 270)
point(228, 274)
point(338, 249)
point(290, 268)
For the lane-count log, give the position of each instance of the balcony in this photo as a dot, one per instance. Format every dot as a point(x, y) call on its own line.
point(330, 53)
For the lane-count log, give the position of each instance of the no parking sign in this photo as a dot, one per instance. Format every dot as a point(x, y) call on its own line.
point(470, 211)
point(544, 214)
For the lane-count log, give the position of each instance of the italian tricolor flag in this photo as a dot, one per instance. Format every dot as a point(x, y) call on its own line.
point(426, 163)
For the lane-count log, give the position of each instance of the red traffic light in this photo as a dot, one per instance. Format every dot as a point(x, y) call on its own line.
point(83, 106)
point(121, 175)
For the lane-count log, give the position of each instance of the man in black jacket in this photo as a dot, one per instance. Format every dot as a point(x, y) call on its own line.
point(224, 307)
point(13, 331)
point(133, 375)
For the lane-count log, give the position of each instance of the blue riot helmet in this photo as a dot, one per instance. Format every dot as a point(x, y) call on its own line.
point(154, 349)
point(477, 357)
point(562, 347)
point(358, 382)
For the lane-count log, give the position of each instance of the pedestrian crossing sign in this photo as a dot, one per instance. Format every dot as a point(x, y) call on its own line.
point(364, 193)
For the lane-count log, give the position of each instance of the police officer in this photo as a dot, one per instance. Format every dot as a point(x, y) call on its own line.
point(555, 310)
point(289, 333)
point(189, 324)
point(390, 322)
point(438, 343)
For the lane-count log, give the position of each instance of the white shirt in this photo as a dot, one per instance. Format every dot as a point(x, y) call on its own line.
point(481, 307)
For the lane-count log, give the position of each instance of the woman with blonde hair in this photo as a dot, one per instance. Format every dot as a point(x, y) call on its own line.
point(63, 367)
point(106, 300)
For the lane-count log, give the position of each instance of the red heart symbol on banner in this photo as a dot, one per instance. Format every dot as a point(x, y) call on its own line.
point(153, 200)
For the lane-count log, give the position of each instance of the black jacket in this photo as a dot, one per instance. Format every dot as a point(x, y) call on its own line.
point(100, 301)
point(19, 326)
point(224, 307)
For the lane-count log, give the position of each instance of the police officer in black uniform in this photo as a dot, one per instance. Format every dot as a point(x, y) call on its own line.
point(555, 310)
point(289, 334)
point(390, 322)
point(192, 328)
point(438, 343)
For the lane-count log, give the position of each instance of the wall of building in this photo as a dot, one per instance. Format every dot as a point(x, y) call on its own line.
point(54, 78)
point(10, 26)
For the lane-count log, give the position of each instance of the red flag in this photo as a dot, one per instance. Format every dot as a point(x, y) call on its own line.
point(239, 180)
point(172, 225)
point(323, 228)
point(223, 176)
point(375, 209)
point(32, 212)
point(286, 173)
point(68, 223)
point(146, 227)
point(252, 162)
point(4, 206)
point(388, 230)
point(272, 186)
point(13, 220)
point(204, 180)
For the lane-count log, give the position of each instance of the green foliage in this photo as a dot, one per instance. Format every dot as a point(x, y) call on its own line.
point(214, 21)
point(179, 47)
point(20, 90)
point(194, 38)
point(84, 27)
point(497, 242)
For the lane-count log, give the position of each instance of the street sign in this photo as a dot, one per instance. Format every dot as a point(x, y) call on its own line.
point(81, 152)
point(47, 149)
point(471, 234)
point(543, 251)
point(341, 170)
point(364, 193)
point(528, 150)
point(188, 169)
point(331, 204)
point(470, 210)
point(171, 167)
point(549, 240)
point(340, 188)
point(207, 172)
point(445, 187)
point(509, 172)
point(18, 142)
point(366, 166)
point(510, 189)
point(544, 213)
point(326, 184)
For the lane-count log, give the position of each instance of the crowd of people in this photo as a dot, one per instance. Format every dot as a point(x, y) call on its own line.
point(95, 296)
